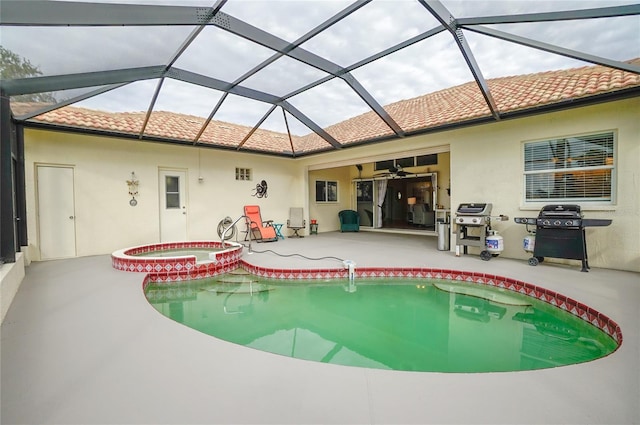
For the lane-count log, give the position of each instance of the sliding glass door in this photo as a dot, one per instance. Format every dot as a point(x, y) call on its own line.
point(364, 202)
point(406, 202)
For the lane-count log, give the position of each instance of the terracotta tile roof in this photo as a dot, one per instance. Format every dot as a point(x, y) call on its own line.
point(449, 106)
point(465, 102)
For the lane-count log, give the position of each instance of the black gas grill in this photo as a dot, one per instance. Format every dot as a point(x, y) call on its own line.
point(560, 233)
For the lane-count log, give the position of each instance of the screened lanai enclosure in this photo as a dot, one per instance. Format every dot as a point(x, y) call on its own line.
point(284, 78)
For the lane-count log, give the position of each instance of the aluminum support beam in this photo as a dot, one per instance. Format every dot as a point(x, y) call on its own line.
point(574, 54)
point(154, 98)
point(214, 83)
point(20, 188)
point(187, 42)
point(210, 117)
point(566, 15)
point(328, 23)
point(370, 59)
point(74, 81)
point(7, 198)
point(373, 104)
point(445, 17)
point(413, 40)
point(73, 14)
point(263, 38)
point(255, 127)
point(67, 102)
point(286, 123)
point(312, 125)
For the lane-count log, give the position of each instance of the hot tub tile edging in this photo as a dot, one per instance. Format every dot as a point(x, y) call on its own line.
point(177, 269)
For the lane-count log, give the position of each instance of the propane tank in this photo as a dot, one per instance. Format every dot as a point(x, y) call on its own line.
point(495, 243)
point(529, 243)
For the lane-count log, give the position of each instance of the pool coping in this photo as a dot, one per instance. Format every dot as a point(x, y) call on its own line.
point(576, 308)
point(174, 270)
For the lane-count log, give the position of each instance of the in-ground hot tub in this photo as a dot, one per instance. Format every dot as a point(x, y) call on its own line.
point(176, 261)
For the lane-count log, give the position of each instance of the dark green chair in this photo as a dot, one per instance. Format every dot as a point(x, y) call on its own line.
point(349, 221)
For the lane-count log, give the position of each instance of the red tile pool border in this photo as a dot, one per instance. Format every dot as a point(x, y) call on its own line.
point(563, 302)
point(179, 269)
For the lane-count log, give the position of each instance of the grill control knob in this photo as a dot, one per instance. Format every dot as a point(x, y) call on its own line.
point(546, 222)
point(557, 223)
point(475, 220)
point(569, 223)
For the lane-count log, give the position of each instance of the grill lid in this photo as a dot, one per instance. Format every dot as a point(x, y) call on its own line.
point(474, 209)
point(560, 211)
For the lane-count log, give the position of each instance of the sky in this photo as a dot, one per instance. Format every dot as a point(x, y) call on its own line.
point(433, 64)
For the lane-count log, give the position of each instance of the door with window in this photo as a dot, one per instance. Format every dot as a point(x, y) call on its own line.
point(173, 205)
point(56, 212)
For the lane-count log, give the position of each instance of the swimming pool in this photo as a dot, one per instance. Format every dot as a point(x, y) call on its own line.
point(418, 324)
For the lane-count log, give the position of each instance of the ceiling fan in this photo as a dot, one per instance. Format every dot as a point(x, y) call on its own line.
point(395, 171)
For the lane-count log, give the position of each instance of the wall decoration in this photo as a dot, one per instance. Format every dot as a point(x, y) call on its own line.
point(133, 189)
point(261, 190)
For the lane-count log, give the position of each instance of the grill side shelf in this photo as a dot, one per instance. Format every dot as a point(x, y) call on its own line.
point(596, 222)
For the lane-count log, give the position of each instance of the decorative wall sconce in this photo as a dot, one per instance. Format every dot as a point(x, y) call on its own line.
point(133, 189)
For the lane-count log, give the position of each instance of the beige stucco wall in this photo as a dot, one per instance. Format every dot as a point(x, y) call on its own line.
point(487, 163)
point(104, 219)
point(485, 166)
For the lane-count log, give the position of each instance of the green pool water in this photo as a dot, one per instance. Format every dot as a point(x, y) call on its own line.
point(398, 324)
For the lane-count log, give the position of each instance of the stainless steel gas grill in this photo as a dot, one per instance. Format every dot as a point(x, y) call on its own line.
point(473, 228)
point(560, 233)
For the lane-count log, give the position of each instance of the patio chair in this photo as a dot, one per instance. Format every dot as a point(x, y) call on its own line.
point(349, 221)
point(258, 229)
point(296, 221)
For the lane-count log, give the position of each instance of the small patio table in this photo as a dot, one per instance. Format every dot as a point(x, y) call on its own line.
point(278, 227)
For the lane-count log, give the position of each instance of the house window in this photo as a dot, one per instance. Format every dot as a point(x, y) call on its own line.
point(427, 159)
point(172, 191)
point(410, 161)
point(572, 169)
point(243, 173)
point(326, 191)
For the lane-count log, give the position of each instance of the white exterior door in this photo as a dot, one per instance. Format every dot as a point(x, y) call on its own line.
point(56, 212)
point(173, 205)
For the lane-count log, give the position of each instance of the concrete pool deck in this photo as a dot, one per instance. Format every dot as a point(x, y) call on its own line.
point(81, 345)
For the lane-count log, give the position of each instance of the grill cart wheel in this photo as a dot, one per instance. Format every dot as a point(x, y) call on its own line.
point(485, 255)
point(533, 261)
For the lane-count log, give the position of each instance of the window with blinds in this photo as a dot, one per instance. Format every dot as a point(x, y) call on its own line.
point(578, 168)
